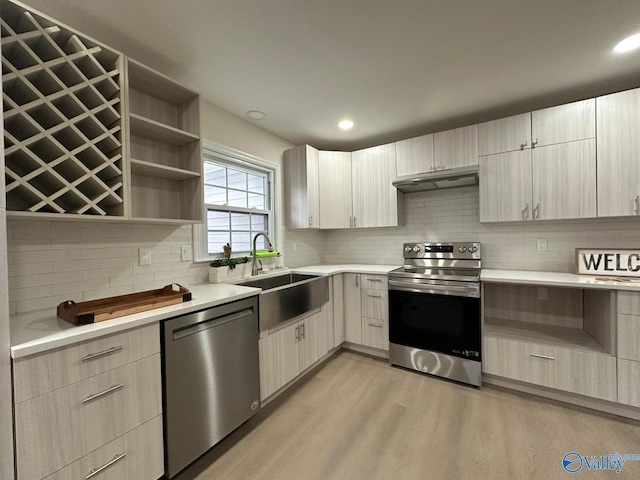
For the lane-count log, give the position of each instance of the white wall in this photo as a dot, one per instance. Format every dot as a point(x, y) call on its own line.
point(452, 215)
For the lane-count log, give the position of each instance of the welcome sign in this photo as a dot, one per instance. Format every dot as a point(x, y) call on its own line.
point(619, 262)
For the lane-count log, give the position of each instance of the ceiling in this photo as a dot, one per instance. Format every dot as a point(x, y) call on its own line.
point(396, 68)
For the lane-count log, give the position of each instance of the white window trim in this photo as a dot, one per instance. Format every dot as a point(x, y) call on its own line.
point(200, 253)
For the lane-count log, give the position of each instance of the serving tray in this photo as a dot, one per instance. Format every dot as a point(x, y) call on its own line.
point(84, 313)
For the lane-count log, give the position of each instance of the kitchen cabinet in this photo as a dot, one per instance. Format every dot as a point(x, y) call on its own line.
point(335, 190)
point(6, 404)
point(415, 155)
point(352, 308)
point(366, 310)
point(87, 384)
point(456, 148)
point(92, 134)
point(628, 312)
point(376, 202)
point(338, 310)
point(539, 180)
point(164, 148)
point(302, 205)
point(618, 168)
point(288, 351)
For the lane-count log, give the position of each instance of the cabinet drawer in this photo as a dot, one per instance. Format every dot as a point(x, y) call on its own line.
point(629, 382)
point(375, 333)
point(628, 335)
point(376, 282)
point(60, 427)
point(629, 302)
point(39, 374)
point(590, 374)
point(375, 303)
point(137, 454)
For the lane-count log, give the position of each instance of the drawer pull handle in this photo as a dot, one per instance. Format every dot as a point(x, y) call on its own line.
point(96, 471)
point(374, 279)
point(109, 390)
point(374, 325)
point(374, 296)
point(91, 356)
point(546, 357)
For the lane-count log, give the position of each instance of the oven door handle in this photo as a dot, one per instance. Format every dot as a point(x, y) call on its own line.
point(454, 290)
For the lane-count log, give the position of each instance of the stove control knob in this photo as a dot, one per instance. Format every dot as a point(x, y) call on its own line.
point(473, 249)
point(407, 249)
point(416, 249)
point(462, 249)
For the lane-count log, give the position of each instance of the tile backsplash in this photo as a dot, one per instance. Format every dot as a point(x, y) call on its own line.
point(51, 261)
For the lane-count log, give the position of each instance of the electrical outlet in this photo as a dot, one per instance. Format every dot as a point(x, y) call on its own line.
point(144, 255)
point(543, 293)
point(541, 244)
point(185, 253)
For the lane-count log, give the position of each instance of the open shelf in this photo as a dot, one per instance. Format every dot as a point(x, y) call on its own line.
point(62, 118)
point(161, 171)
point(160, 132)
point(565, 337)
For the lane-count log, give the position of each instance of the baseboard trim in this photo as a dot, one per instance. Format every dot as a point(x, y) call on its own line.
point(604, 406)
point(374, 352)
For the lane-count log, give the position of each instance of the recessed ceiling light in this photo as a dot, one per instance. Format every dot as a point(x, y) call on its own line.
point(255, 114)
point(345, 125)
point(628, 44)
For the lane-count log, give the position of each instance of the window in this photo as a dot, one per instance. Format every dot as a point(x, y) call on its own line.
point(238, 201)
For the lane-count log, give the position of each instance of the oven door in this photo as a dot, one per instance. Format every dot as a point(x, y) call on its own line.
point(442, 317)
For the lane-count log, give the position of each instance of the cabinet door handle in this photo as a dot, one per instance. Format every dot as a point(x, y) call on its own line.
point(536, 212)
point(374, 325)
point(524, 145)
point(350, 221)
point(96, 471)
point(91, 356)
point(525, 212)
point(533, 144)
point(374, 279)
point(357, 280)
point(109, 390)
point(354, 222)
point(637, 201)
point(374, 296)
point(302, 330)
point(310, 220)
point(546, 357)
point(298, 333)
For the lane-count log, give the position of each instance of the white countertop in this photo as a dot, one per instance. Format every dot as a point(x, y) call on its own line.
point(41, 330)
point(555, 279)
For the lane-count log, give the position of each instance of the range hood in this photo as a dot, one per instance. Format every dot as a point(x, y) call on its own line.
point(438, 179)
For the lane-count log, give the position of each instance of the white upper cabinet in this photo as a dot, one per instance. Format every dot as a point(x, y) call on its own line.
point(301, 187)
point(334, 181)
point(415, 155)
point(375, 200)
point(505, 187)
point(456, 148)
point(619, 154)
point(564, 123)
point(505, 135)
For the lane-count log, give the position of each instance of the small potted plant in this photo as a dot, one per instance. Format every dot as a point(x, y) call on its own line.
point(224, 269)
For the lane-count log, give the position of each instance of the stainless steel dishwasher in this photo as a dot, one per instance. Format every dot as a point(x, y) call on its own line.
point(211, 378)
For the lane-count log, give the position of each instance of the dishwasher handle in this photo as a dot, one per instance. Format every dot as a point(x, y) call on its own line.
point(185, 331)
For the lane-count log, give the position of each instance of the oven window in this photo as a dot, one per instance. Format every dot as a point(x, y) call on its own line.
point(441, 323)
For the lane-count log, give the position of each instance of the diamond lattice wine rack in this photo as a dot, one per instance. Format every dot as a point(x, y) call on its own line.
point(62, 118)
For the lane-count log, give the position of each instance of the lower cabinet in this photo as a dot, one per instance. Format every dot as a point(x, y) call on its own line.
point(590, 374)
point(137, 454)
point(366, 310)
point(629, 382)
point(87, 422)
point(289, 351)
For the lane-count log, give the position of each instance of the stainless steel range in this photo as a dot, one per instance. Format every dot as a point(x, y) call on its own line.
point(434, 311)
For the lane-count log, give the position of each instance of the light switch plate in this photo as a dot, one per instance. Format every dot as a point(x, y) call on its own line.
point(144, 255)
point(185, 253)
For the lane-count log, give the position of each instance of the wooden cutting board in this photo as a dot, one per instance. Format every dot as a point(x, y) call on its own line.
point(93, 311)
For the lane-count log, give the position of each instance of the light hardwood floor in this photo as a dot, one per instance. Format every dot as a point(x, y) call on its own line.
point(358, 418)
